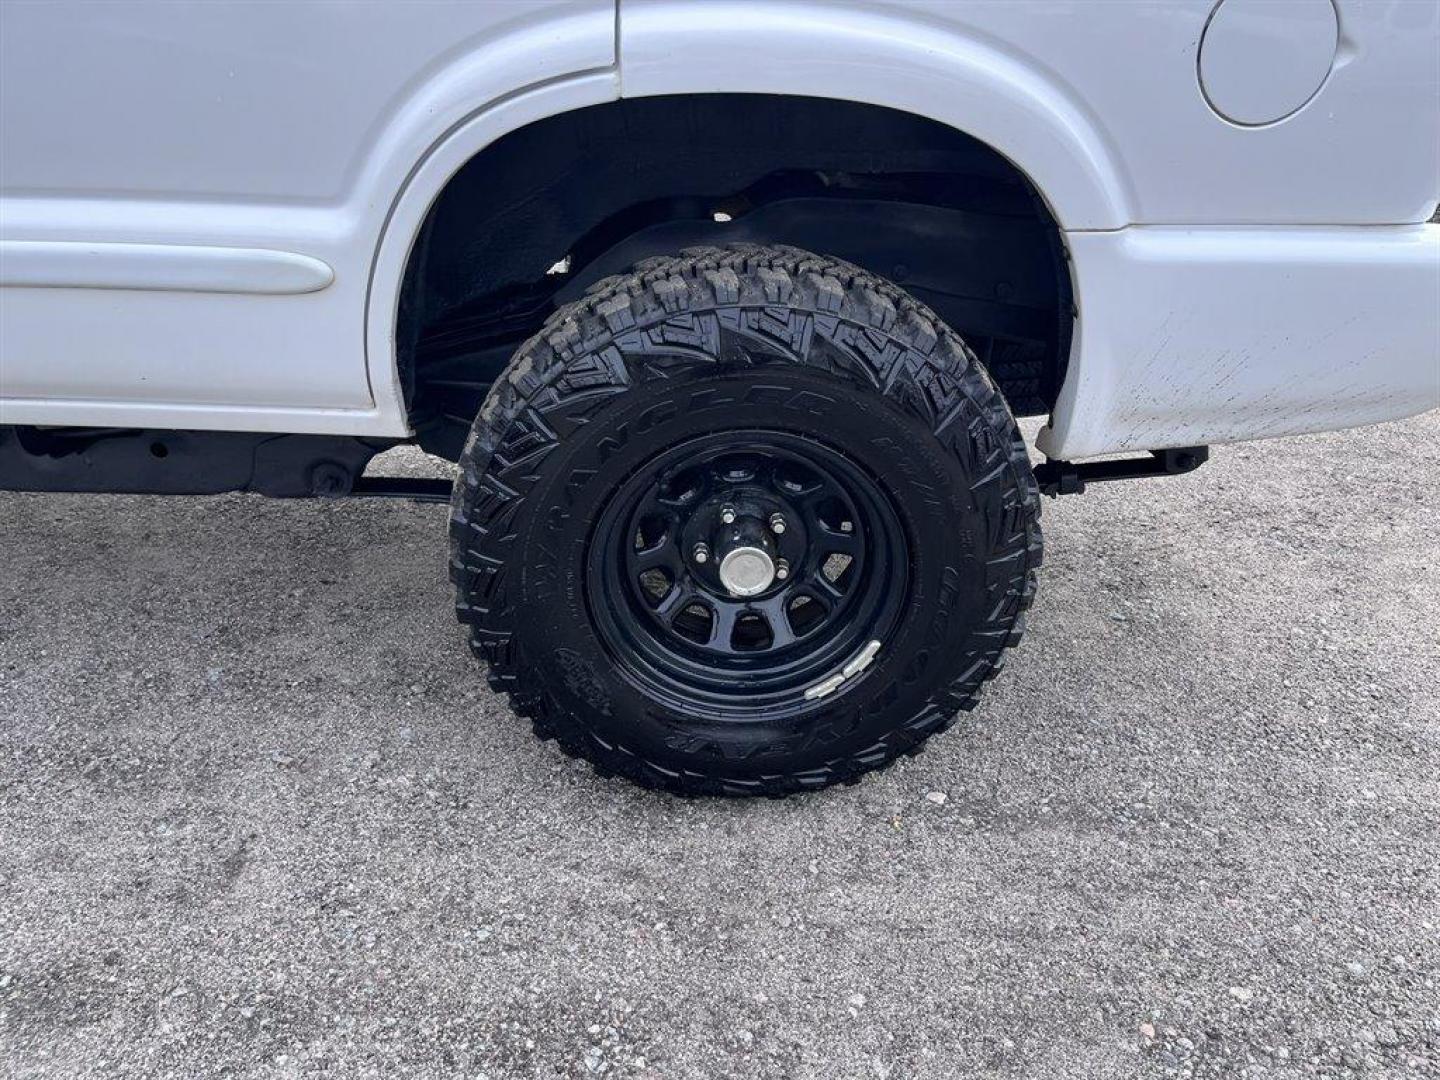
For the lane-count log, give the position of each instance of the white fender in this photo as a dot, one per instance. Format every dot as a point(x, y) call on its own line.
point(809, 49)
point(407, 214)
point(891, 57)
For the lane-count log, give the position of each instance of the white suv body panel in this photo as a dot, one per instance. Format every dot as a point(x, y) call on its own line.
point(281, 128)
point(171, 172)
point(1099, 103)
point(1194, 336)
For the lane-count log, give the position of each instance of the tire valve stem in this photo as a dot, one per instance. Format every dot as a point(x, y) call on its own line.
point(777, 523)
point(701, 553)
point(782, 568)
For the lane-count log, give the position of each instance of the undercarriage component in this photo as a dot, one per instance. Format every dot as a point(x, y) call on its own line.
point(182, 462)
point(415, 488)
point(1068, 478)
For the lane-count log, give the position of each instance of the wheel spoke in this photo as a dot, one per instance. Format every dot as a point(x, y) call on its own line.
point(681, 501)
point(728, 473)
point(837, 540)
point(692, 493)
point(722, 624)
point(774, 612)
point(662, 555)
point(826, 598)
point(676, 600)
point(807, 494)
point(822, 590)
point(827, 536)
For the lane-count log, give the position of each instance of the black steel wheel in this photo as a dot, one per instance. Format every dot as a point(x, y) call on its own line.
point(746, 521)
point(739, 570)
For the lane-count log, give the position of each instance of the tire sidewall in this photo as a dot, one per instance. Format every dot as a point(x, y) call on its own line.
point(929, 485)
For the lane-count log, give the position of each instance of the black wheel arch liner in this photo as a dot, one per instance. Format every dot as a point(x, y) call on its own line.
point(601, 187)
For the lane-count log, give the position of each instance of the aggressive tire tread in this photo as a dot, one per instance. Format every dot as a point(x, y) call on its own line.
point(911, 357)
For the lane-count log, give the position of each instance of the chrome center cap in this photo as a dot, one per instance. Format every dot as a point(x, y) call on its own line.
point(746, 571)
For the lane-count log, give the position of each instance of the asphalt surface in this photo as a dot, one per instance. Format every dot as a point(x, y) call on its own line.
point(260, 816)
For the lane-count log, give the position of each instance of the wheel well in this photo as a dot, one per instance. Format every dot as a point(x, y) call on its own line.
point(531, 221)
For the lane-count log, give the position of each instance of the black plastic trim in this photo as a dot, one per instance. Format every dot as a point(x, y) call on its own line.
point(1068, 478)
point(166, 462)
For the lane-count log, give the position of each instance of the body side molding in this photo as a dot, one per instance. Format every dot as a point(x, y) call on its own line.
point(61, 264)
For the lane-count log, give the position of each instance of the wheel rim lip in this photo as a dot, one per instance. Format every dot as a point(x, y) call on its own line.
point(743, 684)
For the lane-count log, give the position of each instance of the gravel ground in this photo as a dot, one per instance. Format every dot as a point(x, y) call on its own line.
point(261, 816)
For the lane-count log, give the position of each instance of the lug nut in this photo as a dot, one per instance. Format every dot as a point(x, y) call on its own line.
point(777, 524)
point(782, 568)
point(701, 553)
point(727, 515)
point(847, 526)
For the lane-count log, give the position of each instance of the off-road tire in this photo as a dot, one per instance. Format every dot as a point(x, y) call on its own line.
point(607, 371)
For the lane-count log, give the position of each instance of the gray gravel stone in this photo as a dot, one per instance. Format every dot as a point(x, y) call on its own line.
point(1140, 816)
